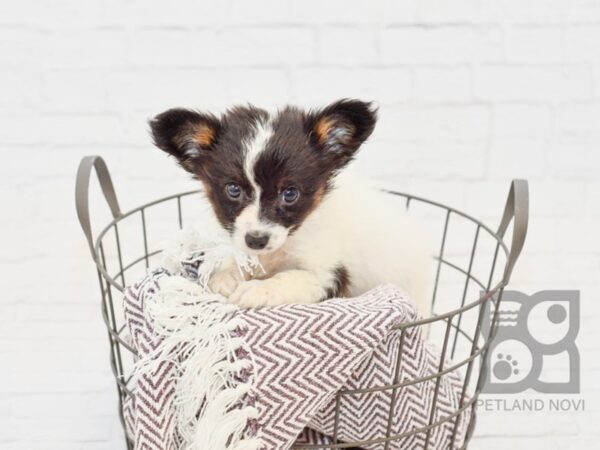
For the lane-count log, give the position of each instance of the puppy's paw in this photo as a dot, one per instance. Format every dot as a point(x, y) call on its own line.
point(224, 282)
point(256, 293)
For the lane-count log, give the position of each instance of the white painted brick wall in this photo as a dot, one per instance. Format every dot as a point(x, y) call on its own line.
point(472, 93)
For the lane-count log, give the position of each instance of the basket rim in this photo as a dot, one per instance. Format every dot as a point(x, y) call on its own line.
point(487, 294)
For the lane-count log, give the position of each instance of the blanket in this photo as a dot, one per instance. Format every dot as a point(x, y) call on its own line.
point(212, 376)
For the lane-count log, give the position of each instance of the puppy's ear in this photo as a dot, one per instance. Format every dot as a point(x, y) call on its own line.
point(339, 129)
point(188, 135)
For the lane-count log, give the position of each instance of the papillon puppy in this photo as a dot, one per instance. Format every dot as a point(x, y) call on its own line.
point(275, 184)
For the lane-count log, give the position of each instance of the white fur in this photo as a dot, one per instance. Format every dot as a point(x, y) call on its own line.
point(370, 235)
point(263, 131)
point(355, 226)
point(249, 219)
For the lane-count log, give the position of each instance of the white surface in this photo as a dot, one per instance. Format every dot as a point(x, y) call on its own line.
point(472, 94)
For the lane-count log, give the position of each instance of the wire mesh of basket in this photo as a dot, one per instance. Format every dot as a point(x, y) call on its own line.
point(473, 265)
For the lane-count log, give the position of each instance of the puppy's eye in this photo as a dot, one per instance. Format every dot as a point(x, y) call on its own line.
point(233, 190)
point(290, 195)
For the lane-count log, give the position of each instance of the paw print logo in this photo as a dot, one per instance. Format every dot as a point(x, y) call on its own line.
point(505, 367)
point(511, 362)
point(532, 331)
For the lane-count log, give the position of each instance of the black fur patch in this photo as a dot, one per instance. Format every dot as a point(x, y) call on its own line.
point(290, 160)
point(173, 131)
point(338, 130)
point(305, 151)
point(341, 286)
point(218, 165)
point(294, 157)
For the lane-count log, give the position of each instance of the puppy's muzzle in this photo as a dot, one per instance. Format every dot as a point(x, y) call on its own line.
point(257, 240)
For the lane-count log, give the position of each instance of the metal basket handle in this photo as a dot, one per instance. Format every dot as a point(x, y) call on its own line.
point(82, 185)
point(517, 209)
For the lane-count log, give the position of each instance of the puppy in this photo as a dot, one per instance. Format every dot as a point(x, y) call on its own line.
point(275, 186)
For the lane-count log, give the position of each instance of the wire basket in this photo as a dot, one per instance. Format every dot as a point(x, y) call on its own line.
point(473, 266)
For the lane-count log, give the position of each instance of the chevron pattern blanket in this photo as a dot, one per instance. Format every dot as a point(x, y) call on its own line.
point(212, 376)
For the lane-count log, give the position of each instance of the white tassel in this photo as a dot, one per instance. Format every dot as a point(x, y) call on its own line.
point(215, 249)
point(222, 424)
point(248, 444)
point(197, 331)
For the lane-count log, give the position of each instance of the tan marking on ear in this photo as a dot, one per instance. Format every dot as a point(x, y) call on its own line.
point(334, 131)
point(323, 128)
point(204, 135)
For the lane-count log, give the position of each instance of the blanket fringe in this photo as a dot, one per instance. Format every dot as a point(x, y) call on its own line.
point(199, 334)
point(214, 250)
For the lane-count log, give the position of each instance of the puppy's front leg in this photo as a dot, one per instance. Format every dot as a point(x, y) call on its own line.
point(227, 279)
point(290, 286)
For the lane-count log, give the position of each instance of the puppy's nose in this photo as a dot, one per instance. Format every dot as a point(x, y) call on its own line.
point(257, 240)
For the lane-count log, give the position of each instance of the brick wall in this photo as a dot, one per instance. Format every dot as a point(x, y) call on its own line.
point(471, 94)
